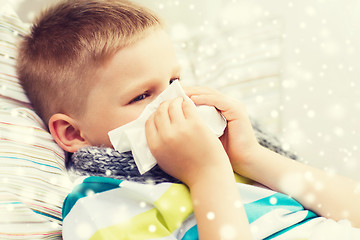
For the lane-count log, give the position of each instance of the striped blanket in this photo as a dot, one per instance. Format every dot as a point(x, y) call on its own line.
point(106, 208)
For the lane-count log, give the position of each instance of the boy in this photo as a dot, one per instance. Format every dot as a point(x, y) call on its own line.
point(91, 66)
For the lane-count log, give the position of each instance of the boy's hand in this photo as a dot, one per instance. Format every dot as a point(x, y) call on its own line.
point(183, 146)
point(186, 148)
point(238, 140)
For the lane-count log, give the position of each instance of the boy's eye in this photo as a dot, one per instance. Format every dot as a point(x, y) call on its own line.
point(147, 94)
point(139, 98)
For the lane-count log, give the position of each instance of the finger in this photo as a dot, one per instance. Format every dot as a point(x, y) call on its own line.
point(217, 101)
point(201, 95)
point(151, 131)
point(175, 110)
point(230, 108)
point(189, 109)
point(161, 116)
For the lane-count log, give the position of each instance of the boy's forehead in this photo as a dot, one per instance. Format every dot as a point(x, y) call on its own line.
point(150, 57)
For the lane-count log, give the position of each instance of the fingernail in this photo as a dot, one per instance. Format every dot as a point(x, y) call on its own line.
point(194, 97)
point(188, 101)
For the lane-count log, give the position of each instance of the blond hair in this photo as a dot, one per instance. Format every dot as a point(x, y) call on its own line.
point(58, 59)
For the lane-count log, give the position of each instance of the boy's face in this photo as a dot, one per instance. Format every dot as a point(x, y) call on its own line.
point(129, 81)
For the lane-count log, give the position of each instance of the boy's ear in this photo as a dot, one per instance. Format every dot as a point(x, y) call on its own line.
point(66, 133)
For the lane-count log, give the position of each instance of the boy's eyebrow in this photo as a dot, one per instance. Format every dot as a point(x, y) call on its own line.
point(136, 87)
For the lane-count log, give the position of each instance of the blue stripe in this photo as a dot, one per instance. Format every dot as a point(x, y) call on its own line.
point(31, 161)
point(41, 213)
point(90, 185)
point(3, 203)
point(258, 208)
point(191, 234)
point(47, 215)
point(308, 218)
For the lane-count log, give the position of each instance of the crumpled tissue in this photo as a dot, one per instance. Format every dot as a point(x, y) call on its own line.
point(131, 136)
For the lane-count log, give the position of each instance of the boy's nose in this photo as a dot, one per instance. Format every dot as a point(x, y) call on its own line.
point(166, 84)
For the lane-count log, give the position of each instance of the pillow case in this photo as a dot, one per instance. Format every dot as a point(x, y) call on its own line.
point(10, 32)
point(33, 180)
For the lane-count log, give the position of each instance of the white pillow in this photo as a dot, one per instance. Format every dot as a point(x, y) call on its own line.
point(242, 60)
point(33, 180)
point(11, 30)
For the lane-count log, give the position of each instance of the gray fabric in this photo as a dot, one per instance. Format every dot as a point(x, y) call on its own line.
point(107, 162)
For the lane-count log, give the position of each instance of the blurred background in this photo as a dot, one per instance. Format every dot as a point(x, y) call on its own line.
point(296, 64)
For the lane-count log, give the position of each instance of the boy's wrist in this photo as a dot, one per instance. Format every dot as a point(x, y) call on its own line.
point(250, 163)
point(265, 167)
point(212, 173)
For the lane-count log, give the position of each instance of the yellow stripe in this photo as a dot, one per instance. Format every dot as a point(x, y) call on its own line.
point(175, 205)
point(146, 225)
point(241, 179)
point(172, 208)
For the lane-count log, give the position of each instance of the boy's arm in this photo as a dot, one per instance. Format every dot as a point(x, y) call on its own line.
point(328, 195)
point(186, 149)
point(218, 208)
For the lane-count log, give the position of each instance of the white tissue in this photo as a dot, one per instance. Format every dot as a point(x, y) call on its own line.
point(132, 136)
